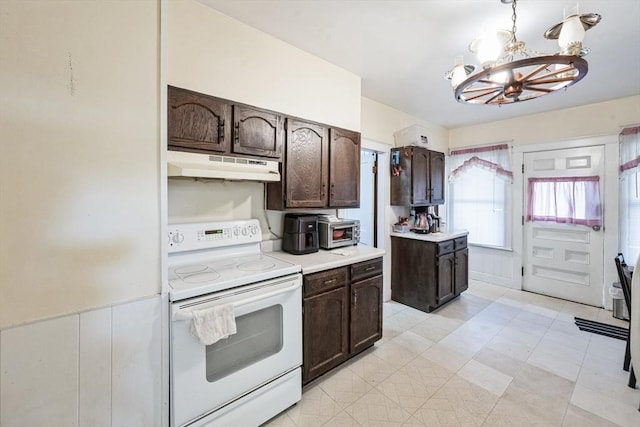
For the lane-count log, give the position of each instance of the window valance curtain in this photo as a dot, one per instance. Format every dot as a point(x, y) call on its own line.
point(494, 158)
point(630, 151)
point(567, 200)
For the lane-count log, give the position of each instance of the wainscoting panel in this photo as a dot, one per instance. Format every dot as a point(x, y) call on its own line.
point(136, 365)
point(493, 266)
point(39, 370)
point(96, 368)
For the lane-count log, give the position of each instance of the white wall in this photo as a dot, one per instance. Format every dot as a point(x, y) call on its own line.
point(586, 125)
point(79, 165)
point(603, 118)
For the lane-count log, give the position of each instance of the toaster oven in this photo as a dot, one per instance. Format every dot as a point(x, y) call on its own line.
point(336, 232)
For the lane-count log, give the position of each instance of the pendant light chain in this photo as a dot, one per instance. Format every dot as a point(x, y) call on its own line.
point(513, 18)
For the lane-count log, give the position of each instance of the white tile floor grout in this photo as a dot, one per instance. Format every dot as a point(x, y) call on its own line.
point(492, 357)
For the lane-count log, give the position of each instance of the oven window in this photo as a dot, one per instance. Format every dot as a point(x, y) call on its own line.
point(258, 336)
point(342, 234)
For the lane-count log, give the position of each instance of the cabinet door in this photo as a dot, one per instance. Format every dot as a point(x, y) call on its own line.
point(344, 169)
point(446, 269)
point(436, 178)
point(197, 122)
point(366, 313)
point(420, 177)
point(257, 132)
point(306, 165)
point(326, 332)
point(461, 275)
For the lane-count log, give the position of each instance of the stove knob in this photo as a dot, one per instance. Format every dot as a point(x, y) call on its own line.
point(236, 231)
point(178, 238)
point(254, 229)
point(245, 231)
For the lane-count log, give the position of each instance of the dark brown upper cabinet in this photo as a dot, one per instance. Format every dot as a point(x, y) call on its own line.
point(307, 165)
point(257, 132)
point(321, 168)
point(436, 177)
point(344, 168)
point(417, 178)
point(198, 122)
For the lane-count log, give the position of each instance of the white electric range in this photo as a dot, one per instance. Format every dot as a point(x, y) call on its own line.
point(254, 374)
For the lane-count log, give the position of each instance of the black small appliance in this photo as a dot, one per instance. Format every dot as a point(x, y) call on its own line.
point(300, 234)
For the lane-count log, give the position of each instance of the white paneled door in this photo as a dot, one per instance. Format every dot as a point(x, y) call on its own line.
point(563, 260)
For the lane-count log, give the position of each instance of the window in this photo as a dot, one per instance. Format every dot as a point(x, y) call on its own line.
point(630, 194)
point(567, 200)
point(480, 182)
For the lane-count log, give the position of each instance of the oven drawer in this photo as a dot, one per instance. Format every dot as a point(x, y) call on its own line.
point(366, 269)
point(316, 283)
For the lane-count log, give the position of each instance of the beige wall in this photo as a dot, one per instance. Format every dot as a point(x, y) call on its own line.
point(214, 54)
point(588, 120)
point(79, 165)
point(380, 121)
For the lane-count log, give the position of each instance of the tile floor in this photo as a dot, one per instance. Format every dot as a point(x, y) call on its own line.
point(492, 357)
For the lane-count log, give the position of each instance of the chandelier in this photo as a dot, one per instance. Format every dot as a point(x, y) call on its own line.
point(513, 73)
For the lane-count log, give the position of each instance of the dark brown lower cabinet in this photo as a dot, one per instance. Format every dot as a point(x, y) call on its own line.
point(326, 331)
point(425, 275)
point(342, 315)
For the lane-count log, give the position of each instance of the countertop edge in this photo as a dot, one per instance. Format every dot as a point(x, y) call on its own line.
point(327, 260)
point(431, 237)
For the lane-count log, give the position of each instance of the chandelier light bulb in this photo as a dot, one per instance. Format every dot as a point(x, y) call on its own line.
point(458, 75)
point(571, 36)
point(489, 49)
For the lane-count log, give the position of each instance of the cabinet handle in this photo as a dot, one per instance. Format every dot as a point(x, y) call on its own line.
point(332, 192)
point(324, 187)
point(221, 131)
point(328, 282)
point(373, 267)
point(236, 133)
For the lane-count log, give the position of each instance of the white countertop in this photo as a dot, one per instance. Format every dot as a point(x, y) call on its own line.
point(430, 237)
point(328, 259)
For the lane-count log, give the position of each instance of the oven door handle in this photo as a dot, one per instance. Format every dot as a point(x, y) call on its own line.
point(187, 313)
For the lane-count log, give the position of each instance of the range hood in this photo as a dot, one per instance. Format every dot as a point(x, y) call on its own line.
point(197, 165)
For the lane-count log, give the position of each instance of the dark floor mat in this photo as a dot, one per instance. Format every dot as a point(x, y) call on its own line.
point(602, 328)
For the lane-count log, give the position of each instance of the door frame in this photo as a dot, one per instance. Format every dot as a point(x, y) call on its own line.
point(609, 202)
point(381, 215)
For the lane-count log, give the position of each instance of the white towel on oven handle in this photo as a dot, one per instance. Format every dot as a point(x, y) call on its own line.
point(213, 324)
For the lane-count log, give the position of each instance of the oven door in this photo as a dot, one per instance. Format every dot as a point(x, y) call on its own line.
point(267, 344)
point(343, 235)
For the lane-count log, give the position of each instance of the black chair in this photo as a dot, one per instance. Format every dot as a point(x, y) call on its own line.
point(624, 274)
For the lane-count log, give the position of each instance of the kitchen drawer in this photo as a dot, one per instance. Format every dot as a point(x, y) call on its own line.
point(323, 281)
point(366, 269)
point(460, 243)
point(445, 247)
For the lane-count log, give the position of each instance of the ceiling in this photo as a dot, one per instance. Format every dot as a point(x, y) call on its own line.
point(402, 48)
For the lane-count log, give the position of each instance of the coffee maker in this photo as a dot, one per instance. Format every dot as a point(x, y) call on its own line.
point(300, 234)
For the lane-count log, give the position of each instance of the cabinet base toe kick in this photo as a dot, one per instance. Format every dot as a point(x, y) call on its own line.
point(426, 307)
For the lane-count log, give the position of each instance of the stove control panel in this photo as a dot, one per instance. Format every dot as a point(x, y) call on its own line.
point(206, 235)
